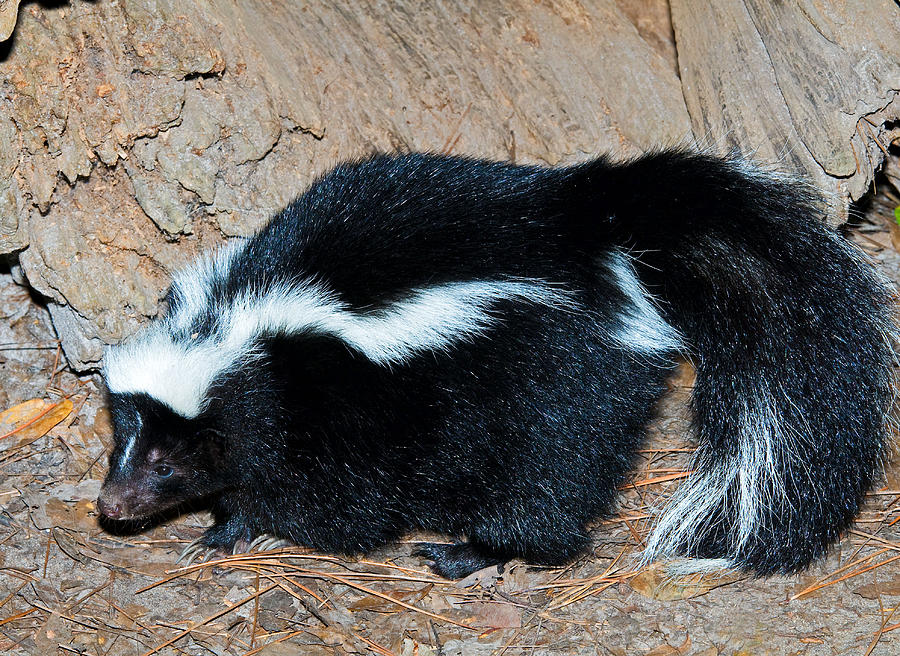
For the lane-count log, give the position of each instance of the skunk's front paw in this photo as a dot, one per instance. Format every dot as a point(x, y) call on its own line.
point(219, 540)
point(201, 551)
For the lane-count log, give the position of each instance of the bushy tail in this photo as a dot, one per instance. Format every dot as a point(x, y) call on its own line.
point(792, 335)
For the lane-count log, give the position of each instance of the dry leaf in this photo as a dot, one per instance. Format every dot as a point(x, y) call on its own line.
point(669, 650)
point(684, 377)
point(8, 14)
point(494, 615)
point(140, 560)
point(53, 632)
point(78, 516)
point(132, 613)
point(86, 490)
point(892, 468)
point(656, 583)
point(334, 637)
point(32, 419)
point(103, 424)
point(484, 577)
point(284, 649)
point(895, 236)
point(19, 414)
point(69, 546)
point(380, 605)
point(875, 590)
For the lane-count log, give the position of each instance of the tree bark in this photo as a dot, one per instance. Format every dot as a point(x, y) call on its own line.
point(134, 134)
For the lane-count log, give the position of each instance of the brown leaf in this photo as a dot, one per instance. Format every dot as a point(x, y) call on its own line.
point(875, 590)
point(484, 577)
point(684, 377)
point(656, 583)
point(494, 615)
point(68, 545)
point(77, 516)
point(895, 236)
point(380, 605)
point(53, 632)
point(19, 414)
point(8, 14)
point(669, 650)
point(335, 637)
point(131, 613)
point(145, 561)
point(32, 419)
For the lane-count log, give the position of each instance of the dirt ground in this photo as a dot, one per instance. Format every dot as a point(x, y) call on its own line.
point(69, 587)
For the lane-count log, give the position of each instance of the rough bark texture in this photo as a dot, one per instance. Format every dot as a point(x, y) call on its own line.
point(135, 133)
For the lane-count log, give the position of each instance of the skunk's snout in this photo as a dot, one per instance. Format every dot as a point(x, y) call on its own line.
point(108, 508)
point(111, 503)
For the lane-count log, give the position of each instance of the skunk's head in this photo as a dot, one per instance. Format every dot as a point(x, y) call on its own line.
point(160, 458)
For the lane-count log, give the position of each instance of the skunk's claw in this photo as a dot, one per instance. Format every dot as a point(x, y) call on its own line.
point(196, 552)
point(267, 542)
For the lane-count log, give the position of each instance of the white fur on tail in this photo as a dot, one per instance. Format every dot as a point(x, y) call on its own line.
point(768, 448)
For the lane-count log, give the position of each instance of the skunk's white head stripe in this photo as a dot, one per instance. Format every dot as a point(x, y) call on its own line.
point(124, 462)
point(178, 371)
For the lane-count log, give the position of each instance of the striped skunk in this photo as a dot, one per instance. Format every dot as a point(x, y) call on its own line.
point(475, 348)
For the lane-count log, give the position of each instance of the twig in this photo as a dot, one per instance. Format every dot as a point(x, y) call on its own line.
point(658, 479)
point(846, 576)
point(880, 632)
point(18, 616)
point(209, 619)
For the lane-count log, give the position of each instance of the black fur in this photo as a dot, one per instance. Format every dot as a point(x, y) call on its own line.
point(516, 438)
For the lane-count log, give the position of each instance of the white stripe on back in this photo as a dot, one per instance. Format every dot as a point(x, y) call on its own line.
point(179, 371)
point(640, 325)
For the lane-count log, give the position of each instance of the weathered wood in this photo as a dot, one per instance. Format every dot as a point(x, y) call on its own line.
point(8, 15)
point(810, 83)
point(134, 134)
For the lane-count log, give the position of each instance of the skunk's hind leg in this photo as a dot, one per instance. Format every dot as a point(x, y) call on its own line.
point(456, 560)
point(491, 545)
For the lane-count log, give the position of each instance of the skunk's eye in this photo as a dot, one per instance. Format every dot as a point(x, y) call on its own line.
point(163, 471)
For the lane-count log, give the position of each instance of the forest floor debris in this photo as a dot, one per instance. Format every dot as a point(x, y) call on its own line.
point(69, 587)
